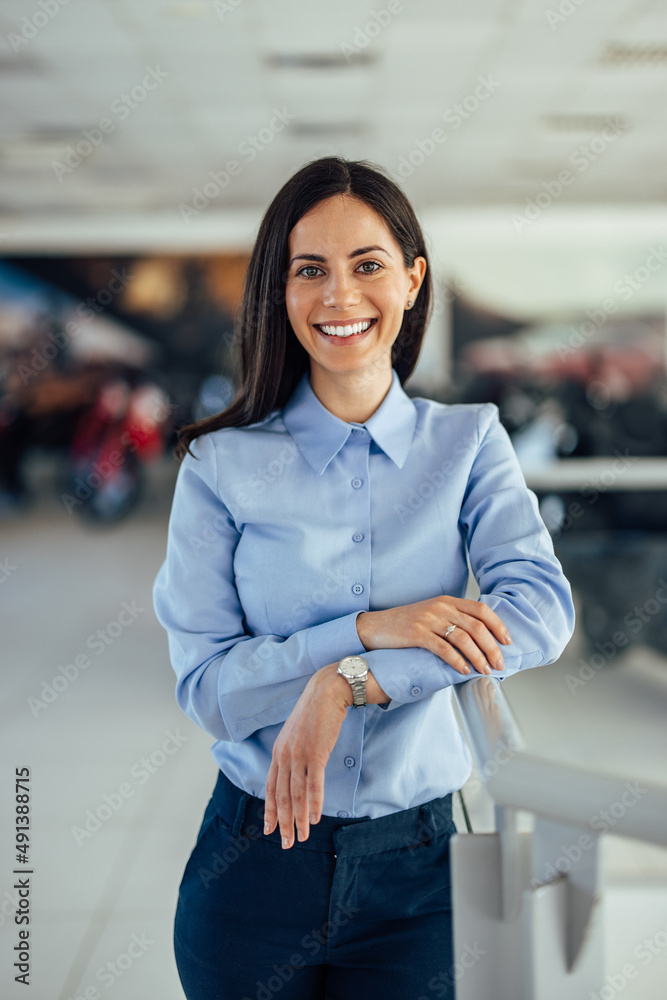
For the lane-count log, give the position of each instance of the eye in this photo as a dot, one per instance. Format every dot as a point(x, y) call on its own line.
point(308, 267)
point(369, 264)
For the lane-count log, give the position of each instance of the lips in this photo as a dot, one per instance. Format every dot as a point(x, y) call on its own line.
point(345, 331)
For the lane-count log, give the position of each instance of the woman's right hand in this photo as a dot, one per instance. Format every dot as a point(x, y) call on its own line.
point(475, 638)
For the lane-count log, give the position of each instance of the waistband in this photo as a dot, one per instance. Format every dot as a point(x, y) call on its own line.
point(244, 813)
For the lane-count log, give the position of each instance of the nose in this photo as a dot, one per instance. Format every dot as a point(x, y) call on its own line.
point(340, 290)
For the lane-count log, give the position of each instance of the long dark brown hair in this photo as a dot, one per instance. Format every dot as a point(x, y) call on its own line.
point(272, 359)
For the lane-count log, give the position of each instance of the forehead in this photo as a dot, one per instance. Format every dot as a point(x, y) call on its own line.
point(339, 223)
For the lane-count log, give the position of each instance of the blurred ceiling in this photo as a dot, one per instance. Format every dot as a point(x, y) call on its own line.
point(114, 112)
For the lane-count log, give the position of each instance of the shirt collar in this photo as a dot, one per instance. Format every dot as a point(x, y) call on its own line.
point(320, 435)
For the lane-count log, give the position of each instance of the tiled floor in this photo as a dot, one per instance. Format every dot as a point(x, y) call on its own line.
point(96, 890)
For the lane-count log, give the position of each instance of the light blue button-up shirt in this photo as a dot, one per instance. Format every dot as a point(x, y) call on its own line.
point(282, 532)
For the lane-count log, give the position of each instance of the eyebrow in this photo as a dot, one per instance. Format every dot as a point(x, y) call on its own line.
point(322, 260)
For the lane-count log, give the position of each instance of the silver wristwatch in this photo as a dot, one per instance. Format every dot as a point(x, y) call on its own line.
point(355, 670)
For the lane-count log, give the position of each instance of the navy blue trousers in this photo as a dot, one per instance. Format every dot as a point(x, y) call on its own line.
point(362, 908)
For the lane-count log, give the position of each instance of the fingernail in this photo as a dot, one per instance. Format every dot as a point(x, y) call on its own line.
point(300, 835)
point(507, 637)
point(500, 663)
point(267, 826)
point(285, 841)
point(313, 818)
point(466, 670)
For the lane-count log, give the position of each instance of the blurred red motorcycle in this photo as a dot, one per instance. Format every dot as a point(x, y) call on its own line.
point(125, 427)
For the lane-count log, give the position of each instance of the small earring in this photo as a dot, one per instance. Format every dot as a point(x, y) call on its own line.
point(410, 304)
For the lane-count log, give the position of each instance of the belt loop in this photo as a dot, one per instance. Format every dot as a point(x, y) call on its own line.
point(240, 814)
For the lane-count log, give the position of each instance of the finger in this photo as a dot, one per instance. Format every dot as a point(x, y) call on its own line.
point(284, 804)
point(300, 802)
point(467, 646)
point(315, 794)
point(436, 644)
point(270, 810)
point(482, 612)
point(483, 640)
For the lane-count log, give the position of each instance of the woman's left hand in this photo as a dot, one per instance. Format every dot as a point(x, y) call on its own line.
point(295, 782)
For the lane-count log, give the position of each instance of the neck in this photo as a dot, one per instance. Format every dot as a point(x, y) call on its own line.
point(351, 396)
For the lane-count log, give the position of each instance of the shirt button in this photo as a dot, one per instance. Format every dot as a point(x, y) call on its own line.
point(356, 483)
point(357, 430)
point(357, 589)
point(358, 537)
point(416, 690)
point(342, 814)
point(349, 761)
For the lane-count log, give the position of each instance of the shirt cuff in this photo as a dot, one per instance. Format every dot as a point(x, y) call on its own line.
point(408, 675)
point(331, 641)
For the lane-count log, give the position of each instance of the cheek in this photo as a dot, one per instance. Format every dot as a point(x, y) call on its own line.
point(392, 306)
point(393, 296)
point(297, 306)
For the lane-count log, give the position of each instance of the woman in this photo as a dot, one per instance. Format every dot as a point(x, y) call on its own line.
point(312, 594)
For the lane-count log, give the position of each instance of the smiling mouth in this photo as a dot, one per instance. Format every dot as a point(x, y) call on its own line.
point(345, 330)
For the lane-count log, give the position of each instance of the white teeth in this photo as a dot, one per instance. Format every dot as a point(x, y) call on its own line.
point(346, 331)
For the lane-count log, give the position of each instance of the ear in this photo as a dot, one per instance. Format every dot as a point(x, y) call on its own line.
point(417, 273)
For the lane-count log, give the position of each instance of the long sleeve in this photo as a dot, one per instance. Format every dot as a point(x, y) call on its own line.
point(512, 559)
point(229, 682)
point(283, 531)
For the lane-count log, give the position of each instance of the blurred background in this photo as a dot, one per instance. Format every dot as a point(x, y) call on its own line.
point(141, 141)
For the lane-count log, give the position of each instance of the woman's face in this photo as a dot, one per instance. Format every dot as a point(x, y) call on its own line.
point(347, 287)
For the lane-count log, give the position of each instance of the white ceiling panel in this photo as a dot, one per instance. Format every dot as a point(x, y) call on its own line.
point(228, 71)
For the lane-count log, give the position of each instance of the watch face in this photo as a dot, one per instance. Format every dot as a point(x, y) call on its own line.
point(354, 666)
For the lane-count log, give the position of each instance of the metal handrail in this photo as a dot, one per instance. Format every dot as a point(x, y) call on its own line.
point(565, 800)
point(558, 791)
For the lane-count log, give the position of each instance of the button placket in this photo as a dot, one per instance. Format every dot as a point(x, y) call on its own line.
point(357, 462)
point(348, 757)
point(360, 566)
